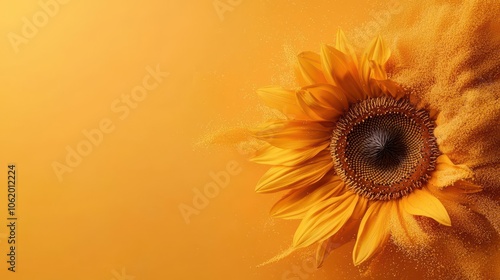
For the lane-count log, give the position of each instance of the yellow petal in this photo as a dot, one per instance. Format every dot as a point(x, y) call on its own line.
point(272, 155)
point(294, 134)
point(279, 178)
point(343, 45)
point(455, 192)
point(344, 235)
point(373, 231)
point(334, 64)
point(392, 88)
point(422, 203)
point(329, 95)
point(322, 102)
point(360, 210)
point(325, 219)
point(310, 68)
point(467, 187)
point(296, 203)
point(322, 252)
point(447, 173)
point(282, 99)
point(374, 59)
point(405, 230)
point(378, 71)
point(378, 51)
point(399, 219)
point(339, 71)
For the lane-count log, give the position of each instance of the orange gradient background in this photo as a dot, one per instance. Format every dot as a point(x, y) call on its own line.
point(119, 208)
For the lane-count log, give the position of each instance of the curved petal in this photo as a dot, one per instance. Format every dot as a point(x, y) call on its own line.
point(466, 187)
point(447, 173)
point(309, 64)
point(373, 231)
point(294, 134)
point(360, 210)
point(378, 51)
point(343, 45)
point(374, 59)
point(378, 71)
point(455, 192)
point(296, 203)
point(324, 249)
point(399, 220)
point(422, 203)
point(329, 95)
point(405, 230)
point(322, 102)
point(339, 71)
point(344, 235)
point(391, 88)
point(325, 219)
point(334, 64)
point(279, 178)
point(272, 155)
point(282, 99)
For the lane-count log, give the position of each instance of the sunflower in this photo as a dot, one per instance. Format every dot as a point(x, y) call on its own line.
point(356, 153)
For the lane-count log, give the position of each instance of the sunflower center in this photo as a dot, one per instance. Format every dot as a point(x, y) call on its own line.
point(384, 148)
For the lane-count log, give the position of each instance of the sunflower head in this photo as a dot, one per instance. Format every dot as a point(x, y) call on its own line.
point(384, 148)
point(353, 149)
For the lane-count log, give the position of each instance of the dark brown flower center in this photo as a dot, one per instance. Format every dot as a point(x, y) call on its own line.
point(384, 148)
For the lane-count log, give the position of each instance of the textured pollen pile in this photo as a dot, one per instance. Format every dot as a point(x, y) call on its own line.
point(446, 53)
point(384, 148)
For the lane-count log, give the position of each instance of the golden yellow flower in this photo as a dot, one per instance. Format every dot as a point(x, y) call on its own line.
point(356, 152)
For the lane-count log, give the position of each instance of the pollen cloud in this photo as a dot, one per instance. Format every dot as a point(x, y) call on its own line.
point(448, 55)
point(446, 52)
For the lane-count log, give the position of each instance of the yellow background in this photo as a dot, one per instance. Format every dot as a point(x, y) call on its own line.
point(119, 208)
